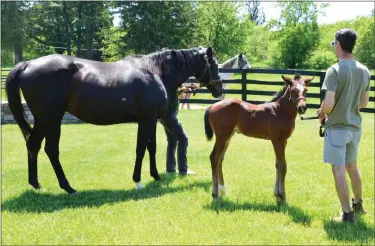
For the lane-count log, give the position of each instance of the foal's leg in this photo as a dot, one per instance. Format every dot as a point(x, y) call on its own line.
point(144, 128)
point(279, 191)
point(52, 134)
point(33, 147)
point(221, 176)
point(216, 159)
point(151, 147)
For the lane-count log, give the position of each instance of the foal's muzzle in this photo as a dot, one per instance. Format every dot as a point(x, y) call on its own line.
point(302, 109)
point(301, 105)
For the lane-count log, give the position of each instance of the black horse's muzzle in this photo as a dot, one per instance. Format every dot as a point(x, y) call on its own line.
point(216, 87)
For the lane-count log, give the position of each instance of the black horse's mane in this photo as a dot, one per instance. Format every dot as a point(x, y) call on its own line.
point(160, 62)
point(281, 92)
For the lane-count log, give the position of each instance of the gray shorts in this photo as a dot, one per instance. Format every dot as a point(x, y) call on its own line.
point(341, 146)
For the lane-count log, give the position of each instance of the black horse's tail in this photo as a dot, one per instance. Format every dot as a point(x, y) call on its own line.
point(207, 126)
point(12, 88)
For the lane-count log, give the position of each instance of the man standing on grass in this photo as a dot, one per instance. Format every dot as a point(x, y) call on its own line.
point(176, 136)
point(347, 85)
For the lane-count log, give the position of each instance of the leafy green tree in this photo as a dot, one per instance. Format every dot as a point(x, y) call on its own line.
point(365, 47)
point(13, 27)
point(255, 12)
point(114, 47)
point(298, 35)
point(151, 26)
point(220, 27)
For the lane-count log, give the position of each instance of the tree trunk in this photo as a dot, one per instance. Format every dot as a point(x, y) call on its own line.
point(18, 51)
point(67, 29)
point(79, 29)
point(89, 40)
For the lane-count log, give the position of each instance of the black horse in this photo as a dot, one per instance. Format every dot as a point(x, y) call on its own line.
point(134, 89)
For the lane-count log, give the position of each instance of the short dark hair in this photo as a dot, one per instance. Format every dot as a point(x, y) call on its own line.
point(347, 38)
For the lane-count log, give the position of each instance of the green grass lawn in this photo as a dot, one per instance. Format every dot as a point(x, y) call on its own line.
point(99, 162)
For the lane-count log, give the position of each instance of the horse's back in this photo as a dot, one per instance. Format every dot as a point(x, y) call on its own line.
point(249, 119)
point(96, 92)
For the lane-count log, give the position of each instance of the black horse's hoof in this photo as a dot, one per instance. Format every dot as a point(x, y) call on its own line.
point(156, 177)
point(36, 185)
point(70, 191)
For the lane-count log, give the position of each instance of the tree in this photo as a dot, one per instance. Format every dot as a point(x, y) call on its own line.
point(69, 28)
point(365, 50)
point(152, 26)
point(13, 27)
point(255, 11)
point(220, 27)
point(298, 34)
point(114, 47)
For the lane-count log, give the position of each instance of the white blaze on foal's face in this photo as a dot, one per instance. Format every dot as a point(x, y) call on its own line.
point(300, 87)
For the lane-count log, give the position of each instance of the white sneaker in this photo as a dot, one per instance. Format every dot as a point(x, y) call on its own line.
point(189, 172)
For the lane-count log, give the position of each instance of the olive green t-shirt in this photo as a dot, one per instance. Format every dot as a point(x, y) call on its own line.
point(349, 79)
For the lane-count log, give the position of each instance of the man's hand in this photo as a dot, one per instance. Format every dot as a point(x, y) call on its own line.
point(185, 89)
point(322, 117)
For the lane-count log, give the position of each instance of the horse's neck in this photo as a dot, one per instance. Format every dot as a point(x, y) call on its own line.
point(231, 63)
point(285, 104)
point(228, 65)
point(173, 81)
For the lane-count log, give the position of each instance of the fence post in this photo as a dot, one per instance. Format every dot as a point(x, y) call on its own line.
point(322, 93)
point(244, 96)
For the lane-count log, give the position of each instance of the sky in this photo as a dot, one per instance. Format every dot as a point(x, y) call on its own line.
point(336, 11)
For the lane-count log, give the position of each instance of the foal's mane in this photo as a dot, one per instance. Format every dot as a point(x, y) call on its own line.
point(281, 92)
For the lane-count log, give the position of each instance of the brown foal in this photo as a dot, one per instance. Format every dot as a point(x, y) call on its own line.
point(274, 120)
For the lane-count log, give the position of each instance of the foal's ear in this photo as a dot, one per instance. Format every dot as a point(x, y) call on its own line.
point(287, 80)
point(308, 80)
point(240, 56)
point(209, 52)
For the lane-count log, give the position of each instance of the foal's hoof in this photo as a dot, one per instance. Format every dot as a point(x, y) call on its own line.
point(280, 200)
point(215, 196)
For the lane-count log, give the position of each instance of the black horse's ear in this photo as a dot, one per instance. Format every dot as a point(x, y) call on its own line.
point(240, 55)
point(287, 80)
point(173, 54)
point(210, 52)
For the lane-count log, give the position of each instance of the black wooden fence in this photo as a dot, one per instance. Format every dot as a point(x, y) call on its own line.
point(244, 92)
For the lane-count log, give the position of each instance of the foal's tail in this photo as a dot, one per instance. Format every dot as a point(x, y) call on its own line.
point(12, 88)
point(207, 126)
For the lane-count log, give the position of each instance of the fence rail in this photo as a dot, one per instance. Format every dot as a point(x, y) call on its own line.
point(244, 92)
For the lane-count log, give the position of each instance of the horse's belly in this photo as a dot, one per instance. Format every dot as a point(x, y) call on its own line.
point(254, 127)
point(103, 115)
point(103, 110)
point(257, 133)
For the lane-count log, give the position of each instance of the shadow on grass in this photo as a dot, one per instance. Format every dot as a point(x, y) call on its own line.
point(296, 214)
point(359, 233)
point(42, 202)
